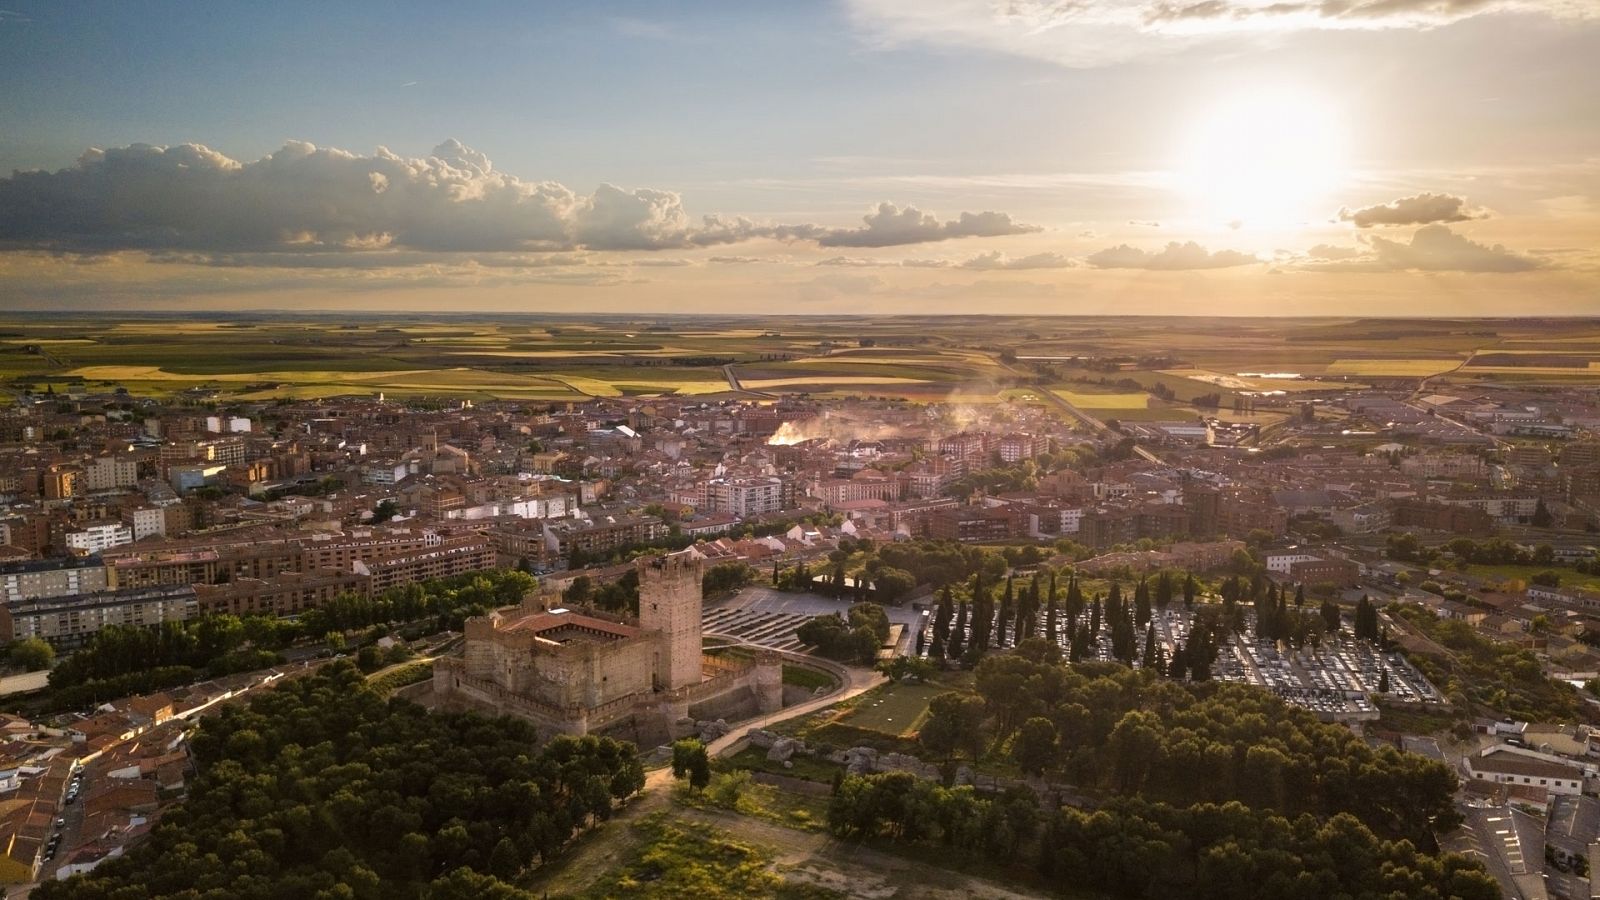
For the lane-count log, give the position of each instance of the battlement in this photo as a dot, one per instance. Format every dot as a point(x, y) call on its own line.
point(668, 567)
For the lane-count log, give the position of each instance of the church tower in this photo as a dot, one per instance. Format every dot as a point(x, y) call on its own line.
point(669, 604)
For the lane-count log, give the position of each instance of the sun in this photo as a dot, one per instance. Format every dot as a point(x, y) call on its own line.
point(1267, 158)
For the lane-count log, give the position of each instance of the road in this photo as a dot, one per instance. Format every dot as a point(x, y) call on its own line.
point(734, 384)
point(1070, 409)
point(1095, 424)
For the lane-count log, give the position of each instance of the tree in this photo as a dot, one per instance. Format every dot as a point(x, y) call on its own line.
point(1541, 515)
point(31, 654)
point(954, 725)
point(369, 658)
point(1190, 589)
point(1034, 748)
point(1330, 616)
point(689, 761)
point(384, 511)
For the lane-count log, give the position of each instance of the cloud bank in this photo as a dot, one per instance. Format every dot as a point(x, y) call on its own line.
point(307, 199)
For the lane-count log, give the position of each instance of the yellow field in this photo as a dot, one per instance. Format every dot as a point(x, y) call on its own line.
point(1084, 400)
point(1397, 368)
point(763, 383)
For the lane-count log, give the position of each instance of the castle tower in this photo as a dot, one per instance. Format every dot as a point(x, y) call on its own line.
point(669, 603)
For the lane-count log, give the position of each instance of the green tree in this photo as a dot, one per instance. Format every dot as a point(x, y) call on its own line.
point(31, 654)
point(1035, 747)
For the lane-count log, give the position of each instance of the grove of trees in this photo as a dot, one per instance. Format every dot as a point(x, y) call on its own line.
point(320, 788)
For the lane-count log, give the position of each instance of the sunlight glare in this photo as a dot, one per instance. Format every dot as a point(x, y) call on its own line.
point(1264, 159)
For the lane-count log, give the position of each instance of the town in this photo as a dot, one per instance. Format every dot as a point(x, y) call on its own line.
point(1362, 556)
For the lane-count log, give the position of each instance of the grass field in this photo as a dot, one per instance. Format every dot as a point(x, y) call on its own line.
point(1569, 578)
point(896, 708)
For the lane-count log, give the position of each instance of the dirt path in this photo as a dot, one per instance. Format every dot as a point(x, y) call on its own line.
point(609, 845)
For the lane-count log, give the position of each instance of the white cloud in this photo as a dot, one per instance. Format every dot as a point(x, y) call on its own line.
point(891, 226)
point(1088, 33)
point(1173, 257)
point(305, 199)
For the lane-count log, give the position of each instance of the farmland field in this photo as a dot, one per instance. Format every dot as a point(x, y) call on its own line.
point(966, 359)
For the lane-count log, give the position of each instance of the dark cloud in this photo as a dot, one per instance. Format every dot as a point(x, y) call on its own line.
point(306, 200)
point(1422, 209)
point(1173, 257)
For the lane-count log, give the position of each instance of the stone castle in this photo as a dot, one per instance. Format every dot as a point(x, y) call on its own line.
point(579, 673)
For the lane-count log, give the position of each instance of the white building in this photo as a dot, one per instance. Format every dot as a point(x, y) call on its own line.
point(1512, 768)
point(146, 521)
point(100, 537)
point(745, 497)
point(1283, 562)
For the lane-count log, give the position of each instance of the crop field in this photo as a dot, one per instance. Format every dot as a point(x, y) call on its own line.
point(1095, 401)
point(1405, 368)
point(1102, 364)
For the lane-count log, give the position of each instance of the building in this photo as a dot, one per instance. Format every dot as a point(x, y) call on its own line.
point(68, 621)
point(573, 673)
point(971, 524)
point(284, 595)
point(106, 473)
point(99, 537)
point(747, 497)
point(1510, 768)
point(146, 521)
point(53, 578)
point(601, 535)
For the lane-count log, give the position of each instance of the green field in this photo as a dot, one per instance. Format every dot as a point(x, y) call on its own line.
point(896, 708)
point(1569, 578)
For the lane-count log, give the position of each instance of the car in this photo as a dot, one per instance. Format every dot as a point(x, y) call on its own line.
point(61, 823)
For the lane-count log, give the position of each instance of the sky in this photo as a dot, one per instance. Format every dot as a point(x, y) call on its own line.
point(1217, 157)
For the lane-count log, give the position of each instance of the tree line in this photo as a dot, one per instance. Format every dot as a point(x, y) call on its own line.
point(1124, 731)
point(1135, 848)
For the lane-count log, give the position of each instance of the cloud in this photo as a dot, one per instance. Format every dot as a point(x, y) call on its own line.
point(853, 262)
point(1422, 209)
point(1329, 251)
point(1438, 249)
point(734, 260)
point(995, 260)
point(1434, 248)
point(303, 199)
point(892, 226)
point(1090, 33)
point(1173, 257)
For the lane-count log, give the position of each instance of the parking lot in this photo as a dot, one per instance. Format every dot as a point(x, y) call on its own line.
point(1335, 679)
